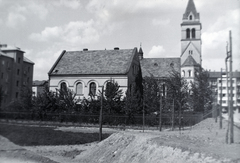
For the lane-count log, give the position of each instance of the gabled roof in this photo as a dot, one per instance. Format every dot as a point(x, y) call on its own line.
point(159, 67)
point(190, 61)
point(190, 43)
point(93, 62)
point(39, 83)
point(191, 9)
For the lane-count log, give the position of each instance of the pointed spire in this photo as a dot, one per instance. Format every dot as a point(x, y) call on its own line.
point(191, 9)
point(140, 53)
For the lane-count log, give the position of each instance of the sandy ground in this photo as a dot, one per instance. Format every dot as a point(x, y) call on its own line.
point(204, 142)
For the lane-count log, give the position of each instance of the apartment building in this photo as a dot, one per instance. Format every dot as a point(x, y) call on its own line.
point(218, 81)
point(16, 73)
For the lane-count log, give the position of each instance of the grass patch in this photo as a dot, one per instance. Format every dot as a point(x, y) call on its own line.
point(34, 135)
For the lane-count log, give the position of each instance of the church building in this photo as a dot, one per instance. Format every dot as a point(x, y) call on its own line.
point(88, 71)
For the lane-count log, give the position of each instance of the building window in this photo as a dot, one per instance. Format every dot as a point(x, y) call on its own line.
point(16, 94)
point(193, 32)
point(19, 59)
point(92, 89)
point(188, 33)
point(183, 73)
point(190, 52)
point(63, 86)
point(18, 71)
point(189, 73)
point(17, 83)
point(190, 17)
point(79, 88)
point(3, 62)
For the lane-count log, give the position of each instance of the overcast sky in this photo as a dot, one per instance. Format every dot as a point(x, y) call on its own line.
point(44, 28)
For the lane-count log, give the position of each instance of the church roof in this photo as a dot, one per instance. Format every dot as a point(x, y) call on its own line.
point(94, 62)
point(159, 67)
point(191, 8)
point(190, 61)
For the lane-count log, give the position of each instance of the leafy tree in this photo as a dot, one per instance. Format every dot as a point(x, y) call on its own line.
point(1, 95)
point(177, 91)
point(113, 97)
point(151, 94)
point(201, 92)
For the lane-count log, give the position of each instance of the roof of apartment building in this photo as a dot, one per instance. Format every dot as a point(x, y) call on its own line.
point(4, 48)
point(217, 74)
point(159, 67)
point(92, 62)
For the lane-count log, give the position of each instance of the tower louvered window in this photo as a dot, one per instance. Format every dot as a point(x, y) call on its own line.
point(193, 33)
point(188, 33)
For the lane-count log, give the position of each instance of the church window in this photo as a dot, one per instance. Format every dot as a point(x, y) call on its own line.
point(63, 86)
point(190, 17)
point(189, 73)
point(188, 33)
point(92, 89)
point(183, 73)
point(190, 52)
point(79, 88)
point(193, 32)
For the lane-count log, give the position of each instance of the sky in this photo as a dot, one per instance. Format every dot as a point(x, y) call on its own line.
point(44, 28)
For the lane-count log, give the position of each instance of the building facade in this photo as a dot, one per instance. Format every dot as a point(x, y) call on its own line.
point(16, 73)
point(88, 71)
point(218, 81)
point(38, 87)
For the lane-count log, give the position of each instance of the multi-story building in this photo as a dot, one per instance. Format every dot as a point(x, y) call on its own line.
point(38, 87)
point(16, 73)
point(218, 81)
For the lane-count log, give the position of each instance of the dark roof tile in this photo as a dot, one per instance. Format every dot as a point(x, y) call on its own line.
point(159, 67)
point(94, 62)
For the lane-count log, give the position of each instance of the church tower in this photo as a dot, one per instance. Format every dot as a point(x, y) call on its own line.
point(191, 42)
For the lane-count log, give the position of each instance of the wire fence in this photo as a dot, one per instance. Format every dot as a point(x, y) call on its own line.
point(187, 119)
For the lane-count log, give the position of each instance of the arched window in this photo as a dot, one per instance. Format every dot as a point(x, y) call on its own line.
point(188, 33)
point(193, 32)
point(63, 86)
point(92, 89)
point(79, 88)
point(190, 17)
point(183, 73)
point(189, 73)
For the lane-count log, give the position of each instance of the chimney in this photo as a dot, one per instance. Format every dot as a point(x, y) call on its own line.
point(116, 48)
point(85, 49)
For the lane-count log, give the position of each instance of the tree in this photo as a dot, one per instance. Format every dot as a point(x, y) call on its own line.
point(177, 94)
point(151, 94)
point(1, 95)
point(201, 92)
point(113, 97)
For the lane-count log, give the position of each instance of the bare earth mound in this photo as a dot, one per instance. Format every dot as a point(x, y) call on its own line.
point(204, 142)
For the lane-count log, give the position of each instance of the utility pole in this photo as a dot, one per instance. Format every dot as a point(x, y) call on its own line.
point(100, 116)
point(220, 110)
point(173, 116)
point(143, 114)
point(231, 90)
point(160, 109)
point(230, 96)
